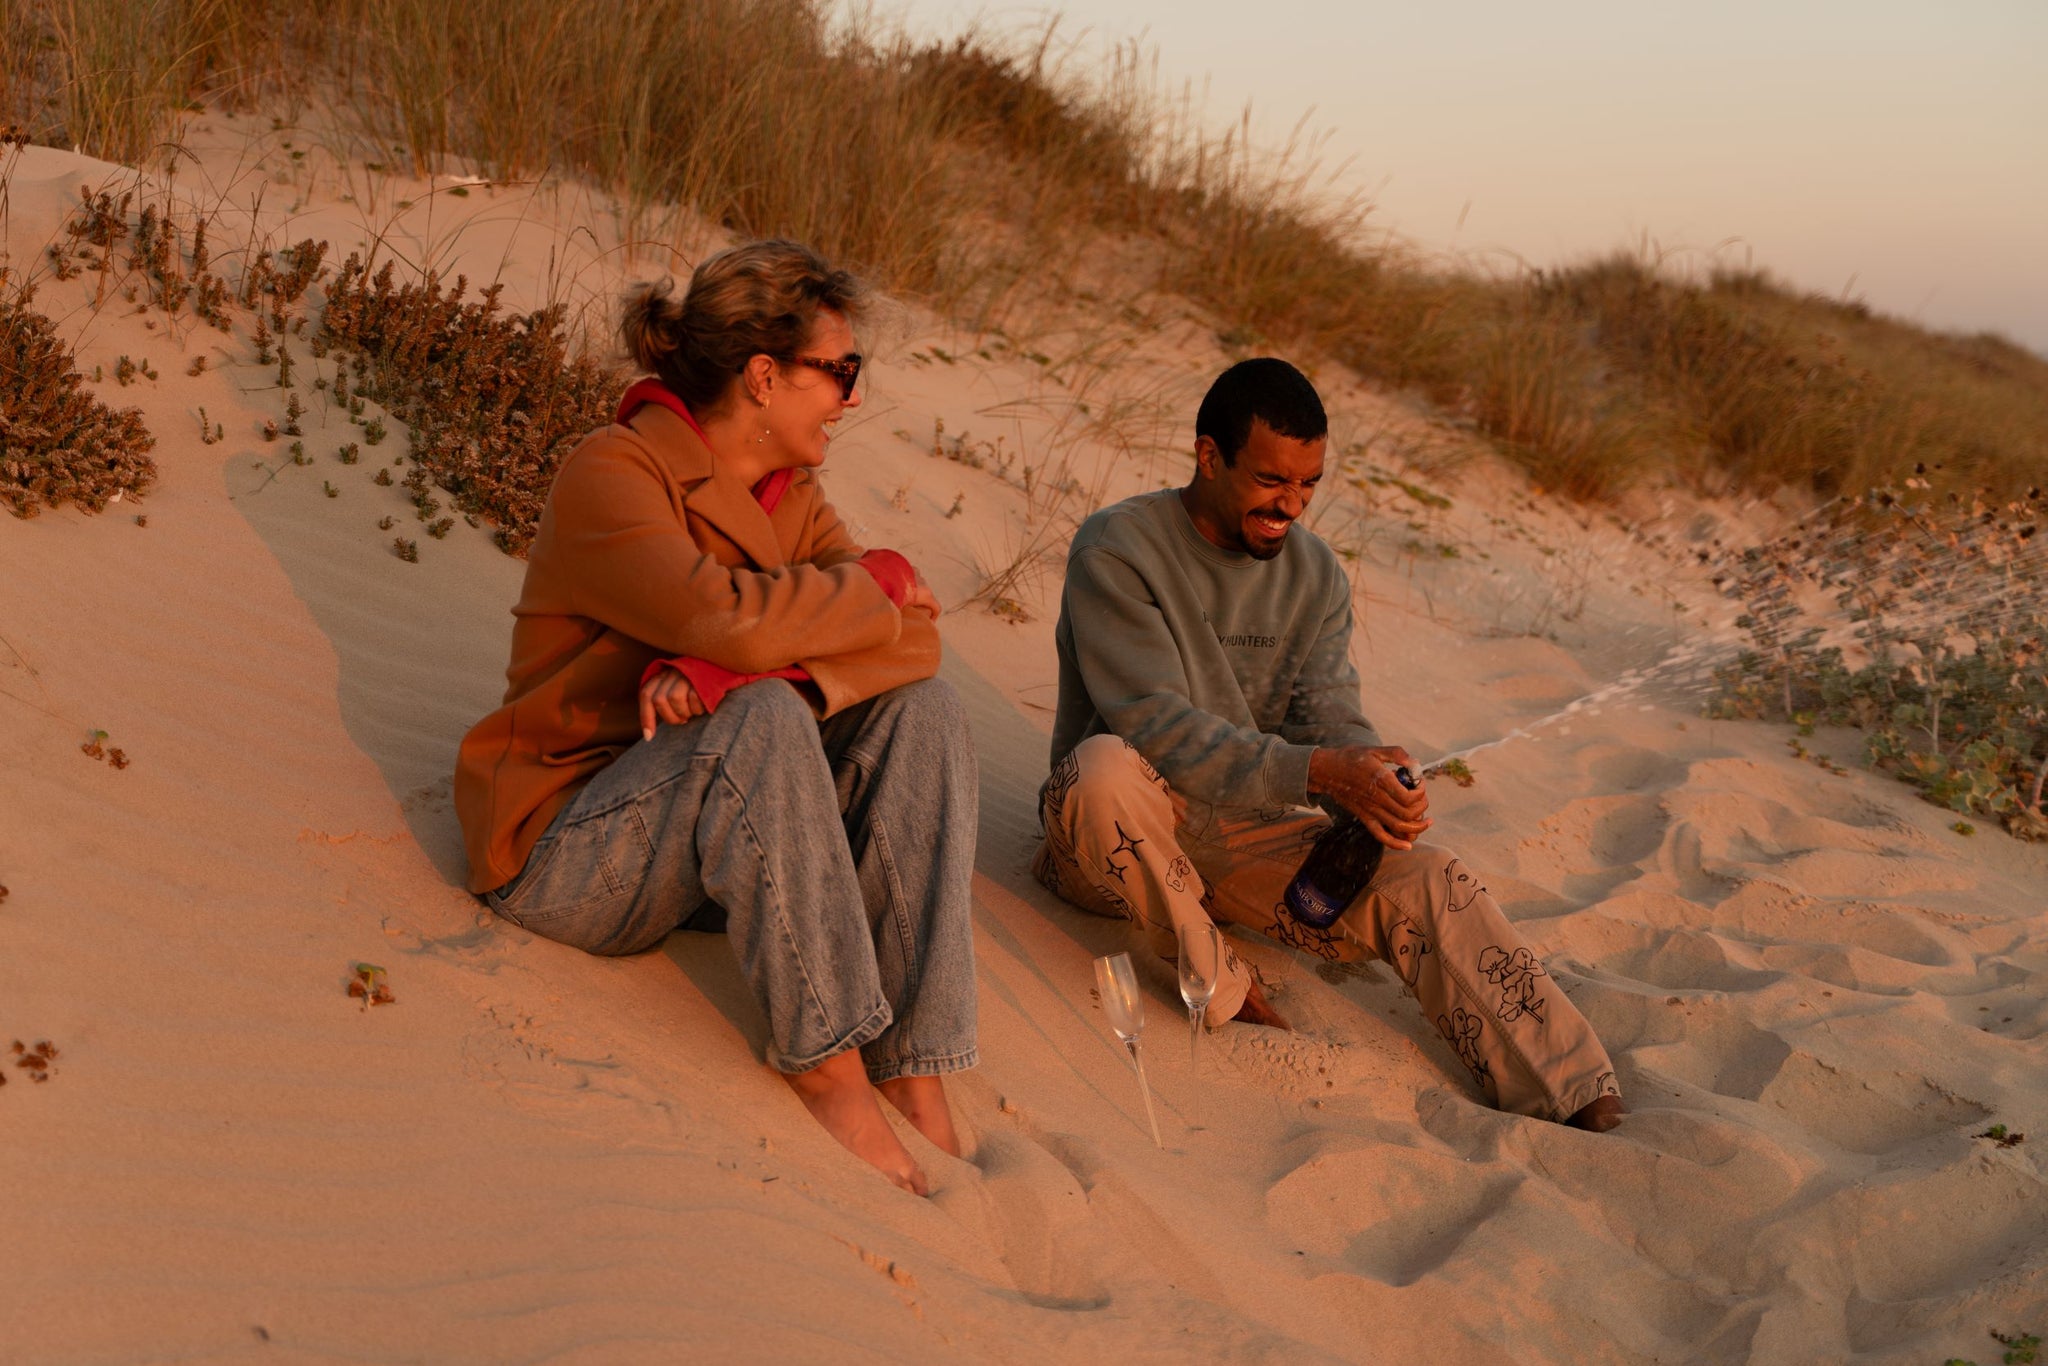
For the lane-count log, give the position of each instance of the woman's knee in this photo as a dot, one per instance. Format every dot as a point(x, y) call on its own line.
point(920, 728)
point(771, 704)
point(765, 738)
point(932, 703)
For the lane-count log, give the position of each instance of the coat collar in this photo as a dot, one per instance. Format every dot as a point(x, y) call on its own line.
point(714, 495)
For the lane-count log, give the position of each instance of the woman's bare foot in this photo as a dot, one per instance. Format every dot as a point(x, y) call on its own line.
point(922, 1101)
point(837, 1094)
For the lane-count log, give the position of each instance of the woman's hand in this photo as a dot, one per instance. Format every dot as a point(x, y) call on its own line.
point(899, 578)
point(921, 595)
point(668, 697)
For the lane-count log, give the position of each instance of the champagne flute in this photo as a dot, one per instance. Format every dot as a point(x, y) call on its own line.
point(1116, 983)
point(1201, 965)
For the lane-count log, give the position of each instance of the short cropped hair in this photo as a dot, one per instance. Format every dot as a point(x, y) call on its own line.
point(758, 298)
point(1266, 388)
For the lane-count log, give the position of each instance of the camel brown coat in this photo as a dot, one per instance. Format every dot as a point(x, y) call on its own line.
point(649, 549)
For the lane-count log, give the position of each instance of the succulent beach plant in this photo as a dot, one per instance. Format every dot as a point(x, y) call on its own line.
point(59, 444)
point(1930, 634)
point(493, 399)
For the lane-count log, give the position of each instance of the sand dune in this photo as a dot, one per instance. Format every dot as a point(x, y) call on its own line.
point(1817, 995)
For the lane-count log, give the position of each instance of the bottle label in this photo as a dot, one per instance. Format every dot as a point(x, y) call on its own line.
point(1308, 905)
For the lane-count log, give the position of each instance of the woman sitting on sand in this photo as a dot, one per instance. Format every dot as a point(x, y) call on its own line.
point(813, 790)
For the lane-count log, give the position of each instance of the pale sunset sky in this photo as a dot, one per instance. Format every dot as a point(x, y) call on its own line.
point(1898, 150)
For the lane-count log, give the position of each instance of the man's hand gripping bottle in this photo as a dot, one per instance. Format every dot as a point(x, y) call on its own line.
point(1339, 865)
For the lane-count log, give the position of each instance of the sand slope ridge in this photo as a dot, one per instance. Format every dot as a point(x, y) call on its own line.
point(1818, 997)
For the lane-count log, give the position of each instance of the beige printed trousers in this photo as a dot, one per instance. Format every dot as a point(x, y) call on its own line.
point(1117, 843)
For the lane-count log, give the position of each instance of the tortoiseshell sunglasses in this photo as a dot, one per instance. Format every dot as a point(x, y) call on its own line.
point(845, 370)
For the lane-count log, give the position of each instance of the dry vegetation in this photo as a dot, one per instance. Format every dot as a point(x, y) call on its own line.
point(59, 444)
point(493, 400)
point(971, 171)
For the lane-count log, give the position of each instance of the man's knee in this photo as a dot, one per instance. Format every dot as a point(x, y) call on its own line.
point(1106, 775)
point(1107, 764)
point(1425, 860)
point(1430, 877)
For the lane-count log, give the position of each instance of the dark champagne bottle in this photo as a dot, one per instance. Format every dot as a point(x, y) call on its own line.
point(1339, 864)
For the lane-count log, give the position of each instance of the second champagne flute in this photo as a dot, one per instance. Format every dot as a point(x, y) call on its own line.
point(1201, 966)
point(1116, 983)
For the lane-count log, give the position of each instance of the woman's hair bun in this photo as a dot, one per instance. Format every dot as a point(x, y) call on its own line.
point(650, 321)
point(755, 299)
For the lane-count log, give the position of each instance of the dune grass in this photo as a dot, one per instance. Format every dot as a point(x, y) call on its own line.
point(977, 172)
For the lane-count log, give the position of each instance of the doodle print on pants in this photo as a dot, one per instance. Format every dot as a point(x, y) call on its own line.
point(1461, 889)
point(1461, 1030)
point(1515, 974)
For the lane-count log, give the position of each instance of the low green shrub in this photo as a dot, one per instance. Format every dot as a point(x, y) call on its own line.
point(1921, 621)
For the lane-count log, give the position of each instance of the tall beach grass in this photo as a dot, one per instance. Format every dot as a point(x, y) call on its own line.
point(978, 171)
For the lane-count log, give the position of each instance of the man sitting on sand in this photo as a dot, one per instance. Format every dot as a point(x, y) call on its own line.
point(1207, 697)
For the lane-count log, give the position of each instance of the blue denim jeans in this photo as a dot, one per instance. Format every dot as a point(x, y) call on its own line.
point(837, 855)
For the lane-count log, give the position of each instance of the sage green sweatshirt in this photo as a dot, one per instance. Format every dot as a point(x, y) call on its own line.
point(1224, 671)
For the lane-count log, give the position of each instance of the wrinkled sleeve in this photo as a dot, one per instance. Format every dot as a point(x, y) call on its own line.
point(830, 541)
point(845, 679)
point(639, 571)
point(1131, 665)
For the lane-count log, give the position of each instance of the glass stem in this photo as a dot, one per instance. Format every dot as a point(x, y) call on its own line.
point(1145, 1090)
point(1195, 1064)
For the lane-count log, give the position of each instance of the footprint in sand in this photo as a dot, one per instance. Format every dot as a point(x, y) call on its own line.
point(1038, 1213)
point(1890, 955)
point(1899, 936)
point(1684, 960)
point(1627, 768)
point(1593, 845)
point(1892, 873)
point(1855, 1108)
point(1863, 1110)
point(1751, 834)
point(1913, 1235)
point(1767, 913)
point(1709, 1045)
point(1391, 1213)
point(1688, 863)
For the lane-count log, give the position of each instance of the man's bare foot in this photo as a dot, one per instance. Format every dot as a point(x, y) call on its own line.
point(1602, 1114)
point(837, 1094)
point(922, 1101)
point(1255, 1010)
